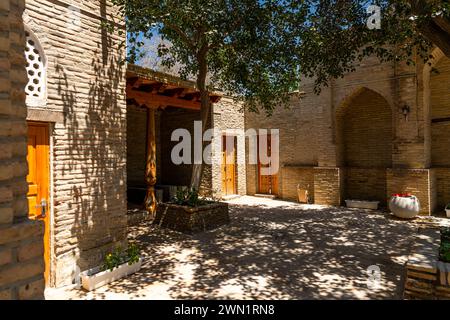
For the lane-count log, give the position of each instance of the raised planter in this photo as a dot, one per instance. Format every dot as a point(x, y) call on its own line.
point(404, 206)
point(192, 219)
point(95, 278)
point(362, 204)
point(426, 276)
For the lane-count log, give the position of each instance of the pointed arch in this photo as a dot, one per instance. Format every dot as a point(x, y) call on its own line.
point(364, 130)
point(364, 139)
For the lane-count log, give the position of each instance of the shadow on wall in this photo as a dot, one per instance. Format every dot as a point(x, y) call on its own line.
point(90, 159)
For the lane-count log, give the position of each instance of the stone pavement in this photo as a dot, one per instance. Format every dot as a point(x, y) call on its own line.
point(271, 250)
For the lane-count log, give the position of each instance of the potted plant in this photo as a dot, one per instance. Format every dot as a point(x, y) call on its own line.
point(445, 234)
point(444, 249)
point(404, 205)
point(118, 264)
point(189, 213)
point(447, 210)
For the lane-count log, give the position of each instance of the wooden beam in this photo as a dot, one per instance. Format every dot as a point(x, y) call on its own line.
point(156, 101)
point(150, 167)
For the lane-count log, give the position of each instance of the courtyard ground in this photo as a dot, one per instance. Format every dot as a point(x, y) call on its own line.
point(271, 250)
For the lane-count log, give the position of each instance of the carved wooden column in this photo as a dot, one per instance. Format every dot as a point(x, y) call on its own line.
point(150, 169)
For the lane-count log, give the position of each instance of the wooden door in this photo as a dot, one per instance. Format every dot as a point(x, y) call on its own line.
point(228, 165)
point(267, 184)
point(38, 181)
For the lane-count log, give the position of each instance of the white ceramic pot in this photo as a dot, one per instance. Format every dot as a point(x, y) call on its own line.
point(95, 278)
point(447, 211)
point(404, 207)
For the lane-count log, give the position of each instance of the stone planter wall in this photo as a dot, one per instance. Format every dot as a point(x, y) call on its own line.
point(192, 220)
point(135, 217)
point(426, 277)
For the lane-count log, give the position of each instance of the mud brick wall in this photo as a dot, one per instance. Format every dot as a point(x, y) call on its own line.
point(137, 145)
point(357, 123)
point(328, 186)
point(229, 114)
point(21, 245)
point(442, 187)
point(365, 184)
point(86, 83)
point(419, 182)
point(293, 177)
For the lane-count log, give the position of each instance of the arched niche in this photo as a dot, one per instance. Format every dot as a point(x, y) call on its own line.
point(364, 142)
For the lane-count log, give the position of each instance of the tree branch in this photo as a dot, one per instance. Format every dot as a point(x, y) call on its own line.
point(437, 36)
point(183, 35)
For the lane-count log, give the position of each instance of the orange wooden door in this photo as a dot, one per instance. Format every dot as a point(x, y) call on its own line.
point(267, 184)
point(38, 181)
point(228, 165)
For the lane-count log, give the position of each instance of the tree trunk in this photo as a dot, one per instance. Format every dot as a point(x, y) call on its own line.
point(197, 169)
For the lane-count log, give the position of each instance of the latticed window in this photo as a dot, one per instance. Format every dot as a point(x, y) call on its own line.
point(36, 86)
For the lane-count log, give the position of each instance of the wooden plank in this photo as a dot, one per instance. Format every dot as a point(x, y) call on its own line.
point(413, 283)
point(150, 169)
point(156, 101)
point(421, 275)
point(411, 294)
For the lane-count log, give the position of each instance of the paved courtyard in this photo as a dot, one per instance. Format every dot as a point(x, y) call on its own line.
point(271, 250)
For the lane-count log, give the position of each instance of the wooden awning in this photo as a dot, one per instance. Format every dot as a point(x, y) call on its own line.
point(158, 90)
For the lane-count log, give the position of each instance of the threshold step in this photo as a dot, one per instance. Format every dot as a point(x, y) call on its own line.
point(231, 197)
point(267, 196)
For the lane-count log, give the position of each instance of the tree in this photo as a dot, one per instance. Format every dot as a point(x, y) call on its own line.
point(242, 46)
point(338, 34)
point(257, 49)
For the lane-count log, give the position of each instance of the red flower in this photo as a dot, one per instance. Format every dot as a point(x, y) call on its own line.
point(402, 195)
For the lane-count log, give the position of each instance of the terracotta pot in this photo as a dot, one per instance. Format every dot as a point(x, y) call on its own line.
point(406, 207)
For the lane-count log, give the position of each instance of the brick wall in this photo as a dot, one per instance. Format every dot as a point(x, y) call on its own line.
point(357, 122)
point(365, 184)
point(293, 177)
point(364, 130)
point(21, 246)
point(440, 109)
point(328, 186)
point(419, 182)
point(180, 175)
point(300, 146)
point(137, 145)
point(442, 187)
point(228, 114)
point(86, 83)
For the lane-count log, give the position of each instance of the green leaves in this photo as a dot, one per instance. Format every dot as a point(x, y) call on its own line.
point(188, 197)
point(248, 45)
point(257, 50)
point(118, 257)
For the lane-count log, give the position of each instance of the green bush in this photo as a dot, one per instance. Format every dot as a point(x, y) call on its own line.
point(445, 234)
point(444, 250)
point(188, 197)
point(119, 256)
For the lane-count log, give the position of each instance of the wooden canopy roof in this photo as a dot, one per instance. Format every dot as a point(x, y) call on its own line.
point(159, 90)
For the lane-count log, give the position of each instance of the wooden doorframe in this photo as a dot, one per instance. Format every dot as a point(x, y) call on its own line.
point(275, 186)
point(224, 149)
point(48, 235)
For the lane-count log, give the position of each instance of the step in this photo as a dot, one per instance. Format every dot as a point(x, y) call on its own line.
point(266, 196)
